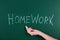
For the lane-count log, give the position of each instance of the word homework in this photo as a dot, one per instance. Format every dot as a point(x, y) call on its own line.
point(37, 19)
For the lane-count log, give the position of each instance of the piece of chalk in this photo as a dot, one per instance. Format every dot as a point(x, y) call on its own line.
point(26, 27)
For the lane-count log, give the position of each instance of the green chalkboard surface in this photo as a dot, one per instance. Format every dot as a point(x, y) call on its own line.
point(43, 15)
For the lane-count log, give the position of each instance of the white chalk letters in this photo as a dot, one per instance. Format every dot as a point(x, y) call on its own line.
point(30, 19)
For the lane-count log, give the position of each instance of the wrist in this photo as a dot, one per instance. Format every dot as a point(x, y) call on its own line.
point(39, 33)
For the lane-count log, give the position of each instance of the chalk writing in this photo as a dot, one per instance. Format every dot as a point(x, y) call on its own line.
point(30, 19)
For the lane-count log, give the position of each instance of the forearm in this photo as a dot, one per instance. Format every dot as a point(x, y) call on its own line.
point(45, 36)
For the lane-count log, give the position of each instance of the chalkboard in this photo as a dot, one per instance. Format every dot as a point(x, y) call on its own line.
point(43, 15)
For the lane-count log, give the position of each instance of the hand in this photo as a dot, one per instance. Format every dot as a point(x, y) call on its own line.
point(32, 31)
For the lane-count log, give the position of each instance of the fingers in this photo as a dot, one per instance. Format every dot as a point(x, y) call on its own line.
point(28, 28)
